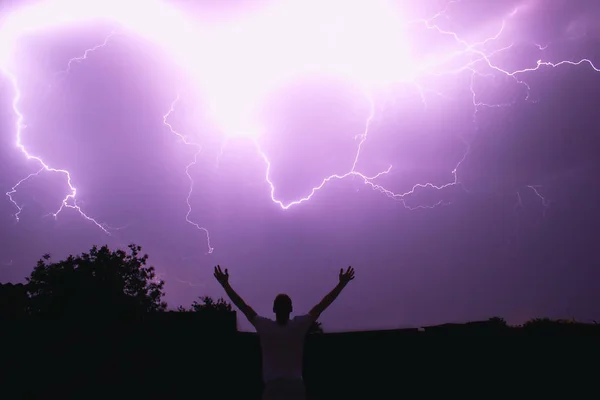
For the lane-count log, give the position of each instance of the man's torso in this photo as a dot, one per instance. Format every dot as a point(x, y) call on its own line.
point(282, 347)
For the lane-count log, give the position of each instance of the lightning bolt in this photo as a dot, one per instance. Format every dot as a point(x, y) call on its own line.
point(187, 172)
point(69, 201)
point(13, 190)
point(87, 52)
point(545, 202)
point(479, 64)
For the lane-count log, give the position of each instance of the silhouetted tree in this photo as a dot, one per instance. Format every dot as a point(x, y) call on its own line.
point(207, 303)
point(215, 315)
point(497, 322)
point(101, 282)
point(547, 324)
point(13, 300)
point(537, 323)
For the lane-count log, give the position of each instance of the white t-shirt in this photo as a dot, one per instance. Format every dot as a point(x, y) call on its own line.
point(282, 346)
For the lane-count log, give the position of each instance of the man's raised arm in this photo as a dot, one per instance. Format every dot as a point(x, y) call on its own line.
point(345, 277)
point(223, 278)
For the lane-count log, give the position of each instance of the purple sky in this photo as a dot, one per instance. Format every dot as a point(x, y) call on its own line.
point(496, 248)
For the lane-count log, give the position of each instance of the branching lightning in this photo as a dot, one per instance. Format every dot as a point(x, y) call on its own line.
point(370, 54)
point(69, 201)
point(187, 172)
point(87, 52)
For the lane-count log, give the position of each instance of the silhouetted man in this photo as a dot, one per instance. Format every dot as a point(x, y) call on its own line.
point(282, 340)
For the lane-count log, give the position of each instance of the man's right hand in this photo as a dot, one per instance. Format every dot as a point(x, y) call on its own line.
point(347, 276)
point(222, 277)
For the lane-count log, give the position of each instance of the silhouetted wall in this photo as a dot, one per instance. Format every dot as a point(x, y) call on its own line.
point(174, 358)
point(198, 321)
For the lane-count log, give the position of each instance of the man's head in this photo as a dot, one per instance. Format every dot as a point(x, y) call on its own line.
point(282, 305)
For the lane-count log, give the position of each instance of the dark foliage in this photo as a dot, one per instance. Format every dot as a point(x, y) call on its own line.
point(99, 283)
point(207, 303)
point(13, 300)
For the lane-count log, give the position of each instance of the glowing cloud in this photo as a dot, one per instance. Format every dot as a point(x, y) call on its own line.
point(237, 64)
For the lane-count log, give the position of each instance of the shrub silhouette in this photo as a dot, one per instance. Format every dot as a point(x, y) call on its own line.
point(100, 283)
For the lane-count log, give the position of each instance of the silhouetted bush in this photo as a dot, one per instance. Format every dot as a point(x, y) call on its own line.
point(101, 283)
